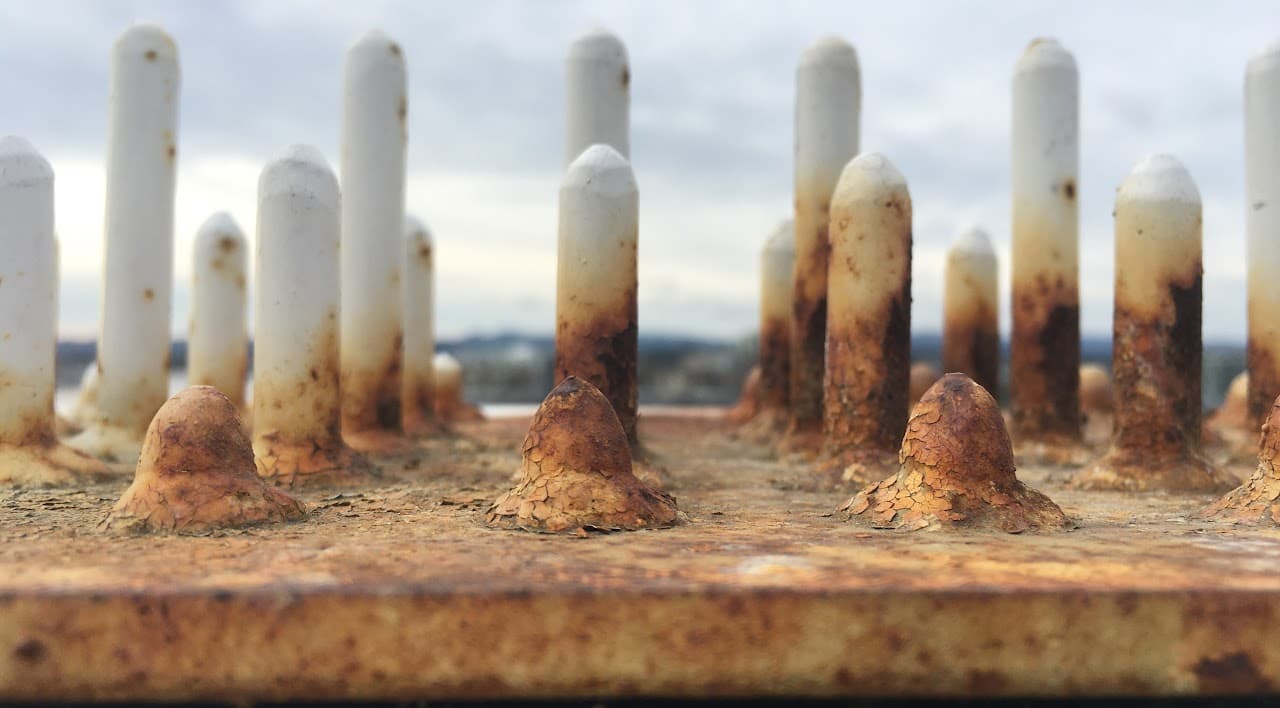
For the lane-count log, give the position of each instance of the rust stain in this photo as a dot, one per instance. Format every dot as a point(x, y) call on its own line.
point(197, 473)
point(775, 364)
point(31, 651)
point(971, 345)
point(956, 470)
point(1156, 364)
point(149, 295)
point(150, 55)
point(808, 340)
point(1264, 381)
point(576, 471)
point(1257, 501)
point(603, 352)
point(1230, 673)
point(371, 399)
point(626, 77)
point(1044, 363)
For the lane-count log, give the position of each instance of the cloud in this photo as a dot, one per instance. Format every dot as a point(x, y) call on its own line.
point(713, 84)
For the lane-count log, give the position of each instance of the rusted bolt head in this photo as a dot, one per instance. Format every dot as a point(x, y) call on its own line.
point(197, 473)
point(576, 472)
point(1258, 500)
point(956, 470)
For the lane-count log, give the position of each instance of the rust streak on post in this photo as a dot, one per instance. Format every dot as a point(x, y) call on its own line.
point(970, 311)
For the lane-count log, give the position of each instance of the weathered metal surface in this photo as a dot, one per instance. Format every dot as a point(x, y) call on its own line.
point(970, 310)
point(397, 589)
point(218, 333)
point(1262, 221)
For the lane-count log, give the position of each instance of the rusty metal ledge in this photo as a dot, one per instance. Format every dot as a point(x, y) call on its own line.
point(397, 590)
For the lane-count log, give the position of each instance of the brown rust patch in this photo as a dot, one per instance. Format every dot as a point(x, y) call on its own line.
point(1069, 189)
point(1264, 382)
point(150, 55)
point(148, 295)
point(1257, 501)
point(371, 407)
point(971, 346)
point(228, 245)
point(603, 352)
point(748, 404)
point(808, 343)
point(866, 384)
point(775, 364)
point(197, 473)
point(1231, 673)
point(1044, 362)
point(956, 470)
point(1156, 364)
point(576, 471)
point(626, 77)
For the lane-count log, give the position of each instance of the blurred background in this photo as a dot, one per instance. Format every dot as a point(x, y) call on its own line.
point(712, 91)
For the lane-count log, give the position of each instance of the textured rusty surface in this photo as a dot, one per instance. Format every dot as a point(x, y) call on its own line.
point(575, 472)
point(371, 403)
point(808, 338)
point(1264, 381)
point(866, 388)
point(971, 345)
point(604, 351)
point(1044, 361)
point(397, 589)
point(775, 364)
point(956, 470)
point(197, 473)
point(1156, 360)
point(748, 404)
point(1257, 500)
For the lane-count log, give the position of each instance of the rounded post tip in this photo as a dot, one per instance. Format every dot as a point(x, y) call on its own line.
point(299, 168)
point(375, 46)
point(1045, 53)
point(830, 50)
point(597, 44)
point(150, 41)
point(415, 231)
point(869, 173)
point(783, 238)
point(1266, 60)
point(601, 169)
point(21, 163)
point(1159, 178)
point(973, 241)
point(218, 226)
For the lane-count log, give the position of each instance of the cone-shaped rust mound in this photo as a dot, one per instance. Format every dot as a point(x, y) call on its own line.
point(197, 473)
point(956, 470)
point(576, 473)
point(1258, 500)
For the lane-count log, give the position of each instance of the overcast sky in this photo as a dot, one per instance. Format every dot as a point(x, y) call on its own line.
point(713, 85)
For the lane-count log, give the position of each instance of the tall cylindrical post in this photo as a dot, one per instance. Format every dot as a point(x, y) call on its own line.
point(1045, 348)
point(374, 139)
point(296, 394)
point(218, 337)
point(134, 337)
point(1262, 220)
point(777, 263)
point(29, 450)
point(868, 360)
point(970, 310)
point(828, 106)
point(417, 395)
point(597, 90)
point(1157, 349)
point(596, 279)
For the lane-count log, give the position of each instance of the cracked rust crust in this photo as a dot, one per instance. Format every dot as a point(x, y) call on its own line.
point(576, 472)
point(1156, 360)
point(956, 471)
point(1257, 501)
point(603, 351)
point(197, 473)
point(396, 590)
point(1044, 362)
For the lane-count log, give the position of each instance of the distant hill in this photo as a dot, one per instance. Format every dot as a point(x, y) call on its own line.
point(515, 368)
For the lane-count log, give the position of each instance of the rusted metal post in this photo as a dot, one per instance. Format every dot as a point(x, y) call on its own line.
point(777, 263)
point(971, 310)
point(417, 397)
point(597, 89)
point(218, 336)
point(1262, 219)
point(868, 358)
point(296, 403)
point(29, 450)
point(374, 139)
point(596, 279)
point(1045, 348)
point(133, 344)
point(450, 398)
point(1156, 352)
point(828, 106)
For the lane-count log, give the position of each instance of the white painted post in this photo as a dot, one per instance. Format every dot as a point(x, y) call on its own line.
point(374, 140)
point(30, 454)
point(418, 400)
point(134, 341)
point(777, 263)
point(218, 338)
point(1045, 347)
point(828, 110)
point(596, 279)
point(597, 94)
point(296, 394)
point(1262, 220)
point(971, 310)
